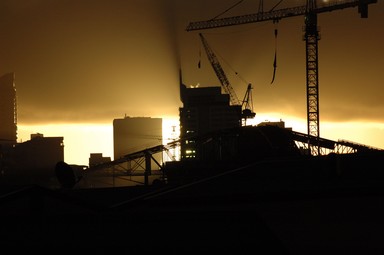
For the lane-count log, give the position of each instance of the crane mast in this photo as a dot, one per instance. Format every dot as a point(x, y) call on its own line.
point(246, 104)
point(311, 37)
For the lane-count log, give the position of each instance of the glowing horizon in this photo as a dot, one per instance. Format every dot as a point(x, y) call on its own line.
point(80, 140)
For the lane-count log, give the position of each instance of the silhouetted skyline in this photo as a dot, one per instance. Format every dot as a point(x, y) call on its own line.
point(93, 61)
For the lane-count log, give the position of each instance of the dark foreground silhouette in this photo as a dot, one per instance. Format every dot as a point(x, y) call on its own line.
point(293, 206)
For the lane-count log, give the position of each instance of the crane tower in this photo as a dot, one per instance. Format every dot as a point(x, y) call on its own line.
point(311, 38)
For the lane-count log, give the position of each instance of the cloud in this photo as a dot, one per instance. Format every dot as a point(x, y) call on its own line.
point(77, 61)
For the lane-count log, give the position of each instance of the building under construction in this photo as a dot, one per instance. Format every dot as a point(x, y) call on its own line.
point(213, 141)
point(204, 110)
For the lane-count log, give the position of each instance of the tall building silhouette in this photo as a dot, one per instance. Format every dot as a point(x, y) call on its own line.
point(8, 110)
point(132, 134)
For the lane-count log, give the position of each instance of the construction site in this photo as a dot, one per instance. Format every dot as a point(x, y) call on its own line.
point(226, 185)
point(216, 113)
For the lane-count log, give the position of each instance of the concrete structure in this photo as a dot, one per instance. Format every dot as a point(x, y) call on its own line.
point(204, 110)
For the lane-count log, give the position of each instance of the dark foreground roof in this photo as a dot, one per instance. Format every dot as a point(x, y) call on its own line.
point(330, 205)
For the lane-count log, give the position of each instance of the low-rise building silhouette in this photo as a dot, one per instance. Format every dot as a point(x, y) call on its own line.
point(33, 161)
point(97, 158)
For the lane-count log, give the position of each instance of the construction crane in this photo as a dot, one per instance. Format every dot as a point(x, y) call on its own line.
point(311, 37)
point(246, 104)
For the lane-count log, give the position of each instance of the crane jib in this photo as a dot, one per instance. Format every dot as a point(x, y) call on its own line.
point(280, 14)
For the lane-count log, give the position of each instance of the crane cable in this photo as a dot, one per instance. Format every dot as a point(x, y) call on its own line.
point(276, 5)
point(226, 62)
point(233, 69)
point(233, 6)
point(275, 59)
point(236, 4)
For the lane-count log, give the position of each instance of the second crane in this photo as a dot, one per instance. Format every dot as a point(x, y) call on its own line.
point(246, 104)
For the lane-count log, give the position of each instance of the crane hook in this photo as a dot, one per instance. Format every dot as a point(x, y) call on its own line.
point(275, 59)
point(199, 63)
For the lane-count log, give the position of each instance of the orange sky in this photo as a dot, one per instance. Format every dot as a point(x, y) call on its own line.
point(91, 61)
